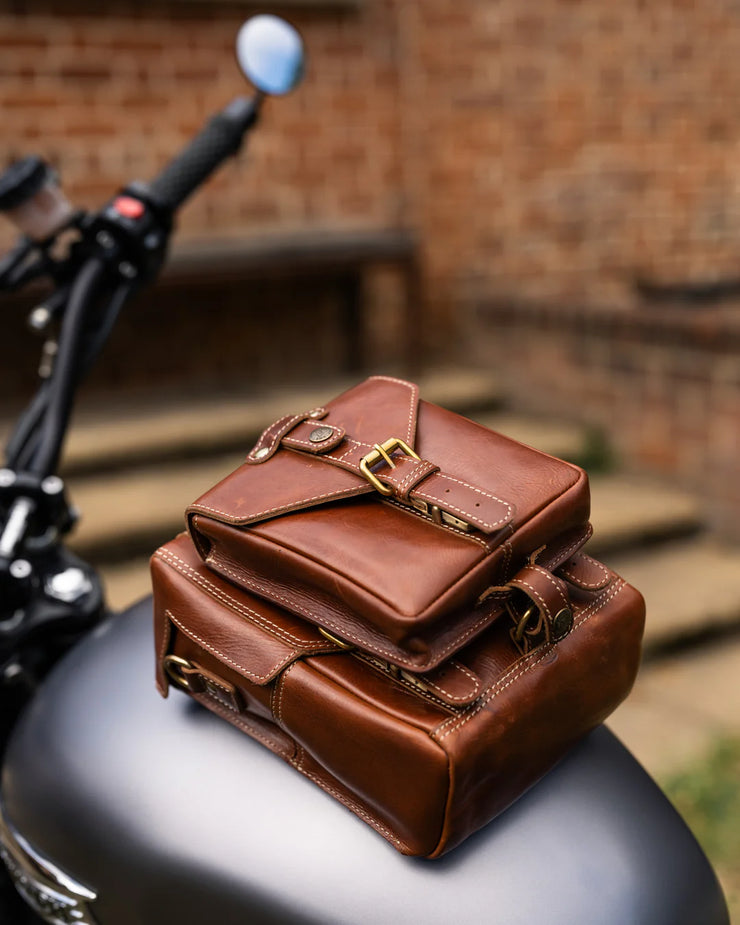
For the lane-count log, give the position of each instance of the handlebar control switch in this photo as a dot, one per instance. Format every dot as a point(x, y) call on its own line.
point(131, 232)
point(30, 196)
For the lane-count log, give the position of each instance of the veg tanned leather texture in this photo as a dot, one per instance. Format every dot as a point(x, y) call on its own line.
point(395, 574)
point(424, 759)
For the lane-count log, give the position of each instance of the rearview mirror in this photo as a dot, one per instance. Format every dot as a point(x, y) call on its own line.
point(270, 54)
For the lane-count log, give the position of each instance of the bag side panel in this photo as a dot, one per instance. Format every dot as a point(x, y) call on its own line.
point(394, 767)
point(539, 707)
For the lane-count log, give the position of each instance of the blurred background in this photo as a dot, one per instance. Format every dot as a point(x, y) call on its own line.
point(531, 206)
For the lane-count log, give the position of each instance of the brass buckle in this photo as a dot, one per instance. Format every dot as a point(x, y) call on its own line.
point(383, 451)
point(173, 666)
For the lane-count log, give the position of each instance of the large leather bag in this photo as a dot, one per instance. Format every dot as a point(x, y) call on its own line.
point(424, 759)
point(393, 599)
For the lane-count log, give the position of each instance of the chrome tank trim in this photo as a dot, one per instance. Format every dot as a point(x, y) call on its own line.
point(51, 893)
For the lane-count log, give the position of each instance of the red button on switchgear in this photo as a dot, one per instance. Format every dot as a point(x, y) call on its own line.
point(128, 206)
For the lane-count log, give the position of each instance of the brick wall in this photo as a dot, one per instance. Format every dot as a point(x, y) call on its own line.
point(110, 92)
point(547, 148)
point(663, 385)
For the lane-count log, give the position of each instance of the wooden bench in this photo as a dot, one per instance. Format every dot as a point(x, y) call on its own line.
point(346, 254)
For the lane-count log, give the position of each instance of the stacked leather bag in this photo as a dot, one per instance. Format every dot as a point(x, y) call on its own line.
point(394, 600)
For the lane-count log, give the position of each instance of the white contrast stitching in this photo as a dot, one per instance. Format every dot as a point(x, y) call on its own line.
point(218, 564)
point(585, 584)
point(235, 605)
point(214, 651)
point(355, 808)
point(279, 699)
point(553, 581)
point(500, 686)
point(456, 643)
point(480, 491)
point(243, 723)
point(165, 641)
point(436, 686)
point(579, 541)
point(289, 439)
point(412, 408)
point(268, 438)
point(543, 603)
point(358, 489)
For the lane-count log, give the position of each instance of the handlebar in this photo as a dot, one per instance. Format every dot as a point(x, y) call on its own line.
point(220, 138)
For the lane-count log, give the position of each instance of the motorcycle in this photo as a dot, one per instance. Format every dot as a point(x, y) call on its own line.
point(119, 807)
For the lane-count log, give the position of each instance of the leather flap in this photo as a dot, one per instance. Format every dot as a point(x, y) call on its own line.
point(320, 463)
point(247, 634)
point(371, 412)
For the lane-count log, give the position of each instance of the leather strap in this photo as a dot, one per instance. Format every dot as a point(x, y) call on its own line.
point(415, 482)
point(549, 616)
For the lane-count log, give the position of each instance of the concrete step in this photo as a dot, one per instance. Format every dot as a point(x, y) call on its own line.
point(706, 602)
point(130, 512)
point(561, 439)
point(691, 589)
point(628, 511)
point(680, 706)
point(125, 583)
point(142, 430)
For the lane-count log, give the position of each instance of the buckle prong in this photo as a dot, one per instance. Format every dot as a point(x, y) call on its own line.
point(383, 451)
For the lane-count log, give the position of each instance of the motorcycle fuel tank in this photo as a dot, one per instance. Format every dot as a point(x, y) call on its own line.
point(138, 809)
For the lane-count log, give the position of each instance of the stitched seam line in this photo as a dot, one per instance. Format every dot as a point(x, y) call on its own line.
point(426, 695)
point(502, 683)
point(447, 506)
point(353, 806)
point(346, 632)
point(350, 449)
point(266, 624)
point(290, 439)
point(579, 541)
point(165, 640)
point(532, 590)
point(509, 508)
point(279, 700)
point(243, 724)
point(412, 407)
point(456, 643)
point(554, 582)
point(584, 584)
point(196, 508)
point(463, 670)
point(270, 435)
point(217, 652)
point(417, 473)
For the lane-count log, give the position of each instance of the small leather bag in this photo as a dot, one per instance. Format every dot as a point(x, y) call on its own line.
point(393, 600)
point(388, 520)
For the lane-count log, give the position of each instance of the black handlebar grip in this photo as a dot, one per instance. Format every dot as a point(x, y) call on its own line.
point(221, 137)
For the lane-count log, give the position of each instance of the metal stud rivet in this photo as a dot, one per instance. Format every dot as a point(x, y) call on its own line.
point(260, 454)
point(562, 624)
point(320, 434)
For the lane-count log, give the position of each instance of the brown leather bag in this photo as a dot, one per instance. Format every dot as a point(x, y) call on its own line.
point(424, 665)
point(335, 517)
point(426, 760)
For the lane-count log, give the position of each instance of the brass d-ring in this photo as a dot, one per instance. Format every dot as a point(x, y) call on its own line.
point(174, 666)
point(521, 626)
